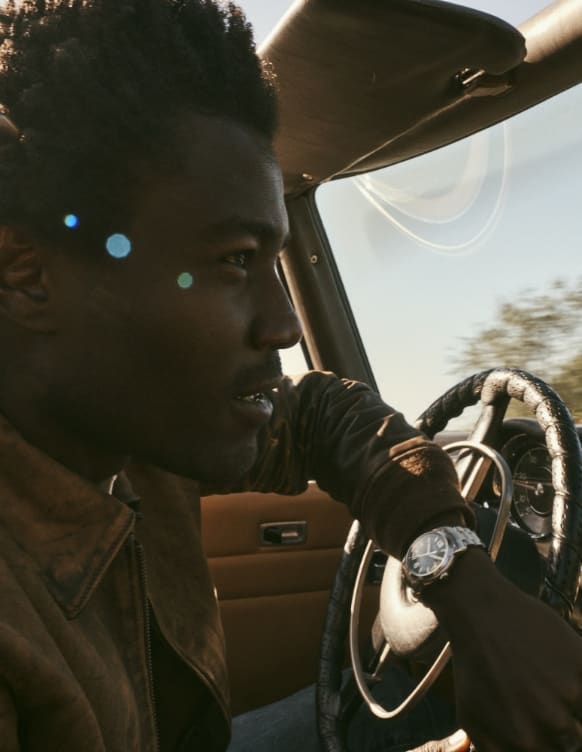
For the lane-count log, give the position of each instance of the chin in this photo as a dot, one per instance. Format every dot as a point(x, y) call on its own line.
point(219, 466)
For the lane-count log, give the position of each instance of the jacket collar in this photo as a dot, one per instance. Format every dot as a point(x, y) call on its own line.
point(66, 525)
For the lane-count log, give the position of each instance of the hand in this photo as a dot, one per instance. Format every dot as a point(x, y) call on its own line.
point(517, 664)
point(458, 742)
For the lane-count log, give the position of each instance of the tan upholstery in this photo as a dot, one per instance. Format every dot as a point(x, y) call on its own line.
point(273, 599)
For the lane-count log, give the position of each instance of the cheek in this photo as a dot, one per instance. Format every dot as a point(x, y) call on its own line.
point(203, 331)
point(161, 332)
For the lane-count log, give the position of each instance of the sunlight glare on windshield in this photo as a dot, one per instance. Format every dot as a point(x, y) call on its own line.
point(468, 257)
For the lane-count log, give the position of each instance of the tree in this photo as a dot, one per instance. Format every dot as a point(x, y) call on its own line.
point(540, 332)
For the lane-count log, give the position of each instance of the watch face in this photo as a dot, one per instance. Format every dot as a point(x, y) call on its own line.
point(427, 554)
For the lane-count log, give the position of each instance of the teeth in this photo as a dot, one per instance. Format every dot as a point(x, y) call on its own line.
point(259, 397)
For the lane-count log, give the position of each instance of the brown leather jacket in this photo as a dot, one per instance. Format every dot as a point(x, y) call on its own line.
point(97, 606)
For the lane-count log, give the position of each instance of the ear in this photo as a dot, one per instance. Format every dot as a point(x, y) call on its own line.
point(24, 293)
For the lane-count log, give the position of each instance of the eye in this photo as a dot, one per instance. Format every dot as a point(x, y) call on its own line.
point(240, 259)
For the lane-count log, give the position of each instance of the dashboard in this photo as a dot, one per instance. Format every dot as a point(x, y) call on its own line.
point(526, 454)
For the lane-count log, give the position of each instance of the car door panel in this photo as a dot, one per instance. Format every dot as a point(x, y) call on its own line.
point(273, 598)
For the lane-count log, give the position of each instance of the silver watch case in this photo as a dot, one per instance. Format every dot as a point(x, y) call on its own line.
point(431, 556)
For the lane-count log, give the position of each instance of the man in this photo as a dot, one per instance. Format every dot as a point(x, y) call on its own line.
point(141, 216)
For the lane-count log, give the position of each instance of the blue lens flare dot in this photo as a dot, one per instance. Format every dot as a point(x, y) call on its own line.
point(71, 221)
point(185, 281)
point(118, 246)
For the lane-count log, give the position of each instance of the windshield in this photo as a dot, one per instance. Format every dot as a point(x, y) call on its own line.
point(469, 257)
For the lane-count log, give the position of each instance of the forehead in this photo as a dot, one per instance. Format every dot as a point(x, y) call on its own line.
point(221, 176)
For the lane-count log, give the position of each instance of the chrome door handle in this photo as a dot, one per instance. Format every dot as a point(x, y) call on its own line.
point(283, 533)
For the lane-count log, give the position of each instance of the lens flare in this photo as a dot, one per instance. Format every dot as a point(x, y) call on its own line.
point(185, 281)
point(71, 221)
point(118, 246)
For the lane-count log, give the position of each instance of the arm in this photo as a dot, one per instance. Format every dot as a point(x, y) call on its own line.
point(363, 453)
point(518, 667)
point(8, 723)
point(517, 664)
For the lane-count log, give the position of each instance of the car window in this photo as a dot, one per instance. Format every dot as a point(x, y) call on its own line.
point(293, 360)
point(469, 257)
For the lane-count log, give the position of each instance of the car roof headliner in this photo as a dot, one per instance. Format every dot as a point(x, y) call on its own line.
point(368, 83)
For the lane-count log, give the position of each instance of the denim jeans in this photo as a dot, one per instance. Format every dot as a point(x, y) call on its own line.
point(289, 725)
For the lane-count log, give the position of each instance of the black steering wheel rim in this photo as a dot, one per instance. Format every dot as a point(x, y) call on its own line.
point(561, 580)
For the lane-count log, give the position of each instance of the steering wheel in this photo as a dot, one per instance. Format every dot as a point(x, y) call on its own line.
point(473, 459)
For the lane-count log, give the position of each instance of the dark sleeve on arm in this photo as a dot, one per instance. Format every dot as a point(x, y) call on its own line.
point(363, 453)
point(8, 723)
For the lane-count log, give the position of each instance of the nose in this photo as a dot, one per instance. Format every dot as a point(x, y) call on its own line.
point(276, 326)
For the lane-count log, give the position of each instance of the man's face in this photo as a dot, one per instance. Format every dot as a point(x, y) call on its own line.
point(160, 351)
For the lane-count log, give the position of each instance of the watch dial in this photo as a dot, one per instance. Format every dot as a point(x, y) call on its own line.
point(427, 554)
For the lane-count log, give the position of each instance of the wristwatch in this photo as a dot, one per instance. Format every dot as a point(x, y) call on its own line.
point(431, 556)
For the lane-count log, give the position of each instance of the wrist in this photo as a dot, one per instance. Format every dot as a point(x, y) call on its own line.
point(434, 554)
point(444, 519)
point(468, 590)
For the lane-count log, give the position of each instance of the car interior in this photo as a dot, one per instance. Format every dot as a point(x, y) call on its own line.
point(369, 91)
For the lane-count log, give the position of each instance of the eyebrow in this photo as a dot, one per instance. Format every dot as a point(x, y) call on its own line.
point(236, 225)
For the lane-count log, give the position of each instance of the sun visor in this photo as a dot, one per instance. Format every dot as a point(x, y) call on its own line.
point(356, 75)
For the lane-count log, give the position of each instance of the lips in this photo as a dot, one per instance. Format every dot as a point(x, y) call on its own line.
point(253, 403)
point(258, 392)
point(252, 398)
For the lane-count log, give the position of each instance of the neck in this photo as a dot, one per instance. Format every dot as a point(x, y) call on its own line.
point(72, 448)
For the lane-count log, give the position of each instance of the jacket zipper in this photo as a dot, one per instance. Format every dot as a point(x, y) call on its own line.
point(147, 634)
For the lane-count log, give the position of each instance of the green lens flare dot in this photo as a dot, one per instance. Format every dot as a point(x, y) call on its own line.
point(185, 281)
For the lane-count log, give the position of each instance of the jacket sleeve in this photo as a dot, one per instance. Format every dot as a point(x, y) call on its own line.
point(8, 723)
point(363, 453)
